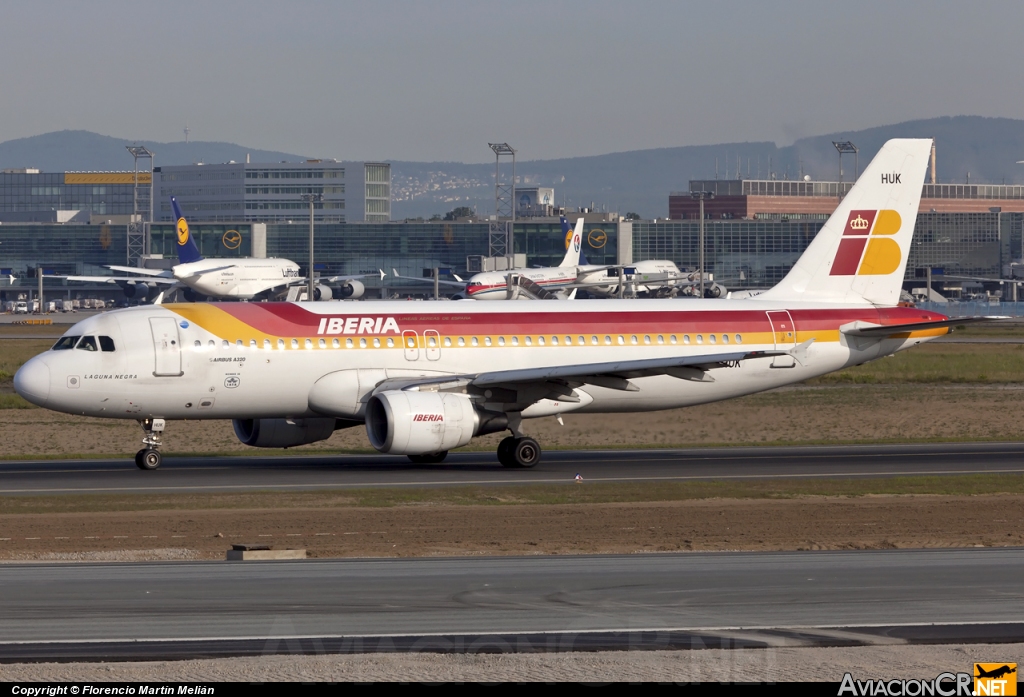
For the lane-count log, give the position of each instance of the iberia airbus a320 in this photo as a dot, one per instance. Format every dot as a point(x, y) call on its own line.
point(425, 378)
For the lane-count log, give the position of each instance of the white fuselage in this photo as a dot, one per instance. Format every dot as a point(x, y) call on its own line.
point(256, 360)
point(242, 278)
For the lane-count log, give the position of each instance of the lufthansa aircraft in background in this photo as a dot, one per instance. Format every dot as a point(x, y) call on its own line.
point(238, 279)
point(424, 378)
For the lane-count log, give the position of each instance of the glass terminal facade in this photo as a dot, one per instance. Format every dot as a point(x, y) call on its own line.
point(759, 253)
point(740, 253)
point(238, 191)
point(94, 193)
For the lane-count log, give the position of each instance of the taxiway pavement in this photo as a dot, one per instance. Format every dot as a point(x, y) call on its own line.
point(314, 472)
point(716, 599)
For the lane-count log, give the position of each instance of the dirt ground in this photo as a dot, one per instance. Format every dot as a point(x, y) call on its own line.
point(831, 414)
point(809, 523)
point(784, 664)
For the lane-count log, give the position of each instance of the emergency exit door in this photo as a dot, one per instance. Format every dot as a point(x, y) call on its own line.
point(167, 346)
point(785, 337)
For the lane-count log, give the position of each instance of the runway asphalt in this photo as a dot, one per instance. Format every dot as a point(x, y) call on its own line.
point(313, 472)
point(693, 600)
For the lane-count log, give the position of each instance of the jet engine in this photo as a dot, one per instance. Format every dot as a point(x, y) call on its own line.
point(404, 422)
point(322, 293)
point(282, 433)
point(351, 289)
point(136, 290)
point(714, 291)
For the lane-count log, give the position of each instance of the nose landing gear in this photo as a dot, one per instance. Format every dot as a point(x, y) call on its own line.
point(149, 458)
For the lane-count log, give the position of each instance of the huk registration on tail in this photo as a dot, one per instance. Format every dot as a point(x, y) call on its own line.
point(425, 378)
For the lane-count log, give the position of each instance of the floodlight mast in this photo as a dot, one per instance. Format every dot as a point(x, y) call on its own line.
point(501, 241)
point(138, 233)
point(847, 147)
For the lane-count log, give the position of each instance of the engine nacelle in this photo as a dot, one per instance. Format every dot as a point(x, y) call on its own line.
point(282, 433)
point(322, 293)
point(351, 290)
point(136, 290)
point(714, 291)
point(404, 422)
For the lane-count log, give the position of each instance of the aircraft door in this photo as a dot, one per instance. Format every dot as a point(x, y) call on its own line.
point(411, 344)
point(166, 346)
point(433, 342)
point(785, 337)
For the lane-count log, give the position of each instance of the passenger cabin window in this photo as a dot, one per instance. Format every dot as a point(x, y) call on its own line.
point(65, 342)
point(87, 343)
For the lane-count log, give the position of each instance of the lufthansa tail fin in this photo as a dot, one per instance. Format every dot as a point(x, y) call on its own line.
point(188, 251)
point(860, 254)
point(573, 243)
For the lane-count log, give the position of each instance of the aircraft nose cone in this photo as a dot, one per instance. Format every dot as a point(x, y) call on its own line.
point(32, 381)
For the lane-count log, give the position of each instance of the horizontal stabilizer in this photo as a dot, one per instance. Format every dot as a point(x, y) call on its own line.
point(861, 328)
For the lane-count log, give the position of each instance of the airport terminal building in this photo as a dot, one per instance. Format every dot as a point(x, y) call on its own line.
point(243, 192)
point(76, 222)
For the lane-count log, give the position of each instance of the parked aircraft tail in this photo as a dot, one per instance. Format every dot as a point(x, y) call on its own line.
point(573, 244)
point(860, 254)
point(188, 251)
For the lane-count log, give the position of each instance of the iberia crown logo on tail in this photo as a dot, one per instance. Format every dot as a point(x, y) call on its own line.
point(867, 247)
point(182, 232)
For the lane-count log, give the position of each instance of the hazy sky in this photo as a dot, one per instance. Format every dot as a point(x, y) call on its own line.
point(438, 80)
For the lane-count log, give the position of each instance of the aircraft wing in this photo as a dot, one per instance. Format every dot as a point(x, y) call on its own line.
point(143, 272)
point(457, 284)
point(614, 375)
point(121, 279)
point(335, 279)
point(639, 277)
point(211, 270)
point(622, 369)
point(861, 328)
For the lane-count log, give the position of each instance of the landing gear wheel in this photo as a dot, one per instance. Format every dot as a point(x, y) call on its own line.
point(505, 452)
point(148, 459)
point(429, 458)
point(518, 452)
point(526, 452)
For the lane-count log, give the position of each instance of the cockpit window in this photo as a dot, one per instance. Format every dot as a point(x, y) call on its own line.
point(106, 343)
point(65, 342)
point(87, 343)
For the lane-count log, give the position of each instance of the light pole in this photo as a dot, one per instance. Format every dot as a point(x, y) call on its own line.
point(847, 147)
point(701, 196)
point(311, 198)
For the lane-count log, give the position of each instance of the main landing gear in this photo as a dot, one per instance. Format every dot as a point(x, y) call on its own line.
point(518, 452)
point(149, 458)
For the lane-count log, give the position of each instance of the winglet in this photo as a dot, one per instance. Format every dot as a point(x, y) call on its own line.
point(187, 249)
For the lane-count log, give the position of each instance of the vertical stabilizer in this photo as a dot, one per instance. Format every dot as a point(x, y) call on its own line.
point(188, 251)
point(860, 254)
point(573, 244)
